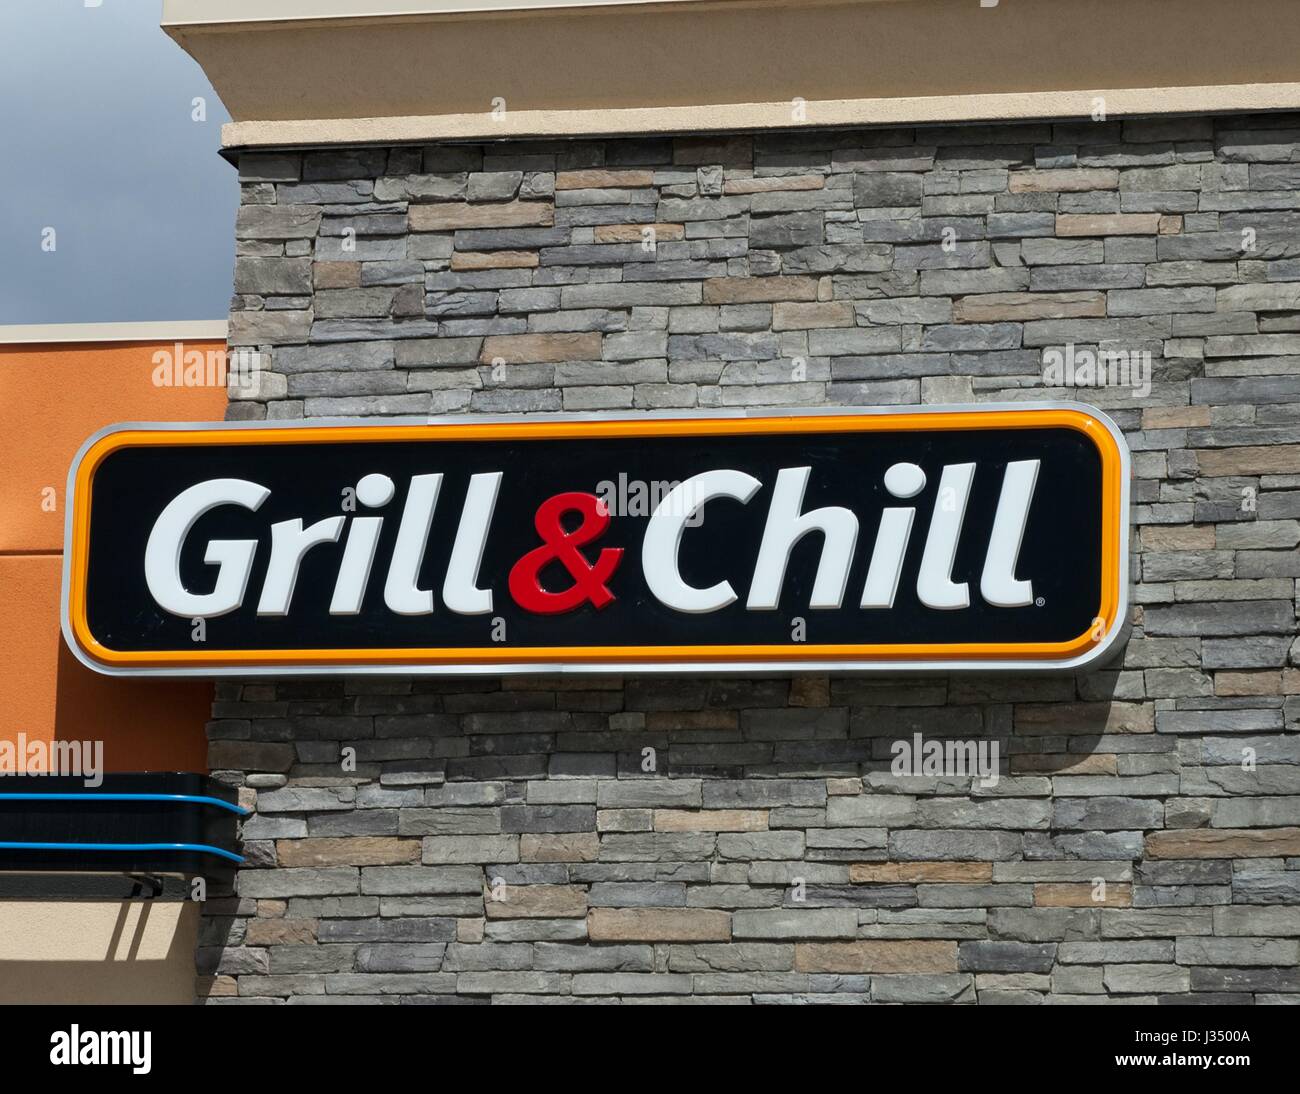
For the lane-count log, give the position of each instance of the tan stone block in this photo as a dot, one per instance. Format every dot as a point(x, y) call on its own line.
point(631, 233)
point(659, 720)
point(1064, 180)
point(494, 260)
point(1175, 417)
point(1064, 763)
point(1178, 537)
point(1171, 225)
point(447, 216)
point(1017, 306)
point(769, 183)
point(847, 787)
point(810, 691)
point(844, 788)
point(471, 930)
point(336, 275)
point(536, 902)
point(272, 909)
point(1280, 459)
point(276, 756)
point(517, 349)
point(1080, 719)
point(347, 851)
point(1080, 894)
point(876, 955)
point(710, 820)
point(271, 328)
point(559, 847)
point(280, 932)
point(1291, 681)
point(624, 820)
point(836, 313)
point(1107, 224)
point(1224, 843)
point(917, 873)
point(758, 290)
point(604, 179)
point(658, 925)
point(1248, 683)
point(215, 987)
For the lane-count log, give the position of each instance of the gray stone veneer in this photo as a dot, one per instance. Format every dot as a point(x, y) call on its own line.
point(499, 839)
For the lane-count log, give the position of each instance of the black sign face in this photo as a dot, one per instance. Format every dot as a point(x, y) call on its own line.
point(943, 537)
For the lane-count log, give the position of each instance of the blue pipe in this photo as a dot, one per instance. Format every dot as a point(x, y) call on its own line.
point(199, 799)
point(202, 848)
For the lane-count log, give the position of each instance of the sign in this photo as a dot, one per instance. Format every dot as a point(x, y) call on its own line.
point(925, 538)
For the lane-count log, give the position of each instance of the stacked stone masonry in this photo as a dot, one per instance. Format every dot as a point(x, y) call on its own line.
point(501, 840)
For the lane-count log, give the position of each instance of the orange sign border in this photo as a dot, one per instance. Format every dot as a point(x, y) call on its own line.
point(1114, 534)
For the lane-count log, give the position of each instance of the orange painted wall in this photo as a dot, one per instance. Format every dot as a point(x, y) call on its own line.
point(52, 397)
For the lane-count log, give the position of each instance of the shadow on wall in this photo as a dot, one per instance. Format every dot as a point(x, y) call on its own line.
point(416, 732)
point(145, 724)
point(518, 728)
point(97, 952)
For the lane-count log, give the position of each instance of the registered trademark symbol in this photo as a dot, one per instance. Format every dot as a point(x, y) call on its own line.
point(1039, 601)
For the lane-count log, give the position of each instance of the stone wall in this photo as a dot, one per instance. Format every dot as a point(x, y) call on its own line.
point(500, 839)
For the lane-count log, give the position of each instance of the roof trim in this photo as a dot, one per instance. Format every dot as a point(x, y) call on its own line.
point(742, 117)
point(211, 13)
point(562, 67)
point(163, 331)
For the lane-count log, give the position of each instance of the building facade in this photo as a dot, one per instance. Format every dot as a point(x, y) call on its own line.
point(736, 206)
point(503, 838)
point(72, 932)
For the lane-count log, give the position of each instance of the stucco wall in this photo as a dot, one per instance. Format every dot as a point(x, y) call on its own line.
point(97, 951)
point(57, 391)
point(501, 839)
point(49, 696)
point(463, 70)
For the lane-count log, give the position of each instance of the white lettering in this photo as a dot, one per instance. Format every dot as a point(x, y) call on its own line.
point(903, 480)
point(233, 557)
point(934, 585)
point(402, 592)
point(998, 584)
point(786, 525)
point(460, 592)
point(663, 540)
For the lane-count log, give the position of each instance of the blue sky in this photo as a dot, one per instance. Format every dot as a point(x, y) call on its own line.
point(98, 142)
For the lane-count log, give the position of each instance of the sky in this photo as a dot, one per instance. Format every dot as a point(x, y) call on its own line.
point(100, 141)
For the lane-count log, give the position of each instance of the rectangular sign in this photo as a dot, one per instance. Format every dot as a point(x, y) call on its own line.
point(940, 537)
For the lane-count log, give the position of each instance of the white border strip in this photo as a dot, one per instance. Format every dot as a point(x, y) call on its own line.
point(215, 13)
point(962, 109)
point(163, 331)
point(768, 668)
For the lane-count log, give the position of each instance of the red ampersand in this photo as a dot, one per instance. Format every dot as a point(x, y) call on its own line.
point(561, 546)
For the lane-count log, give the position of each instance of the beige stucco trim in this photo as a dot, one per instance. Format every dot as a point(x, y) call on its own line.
point(716, 65)
point(732, 117)
point(72, 951)
point(195, 331)
point(182, 13)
